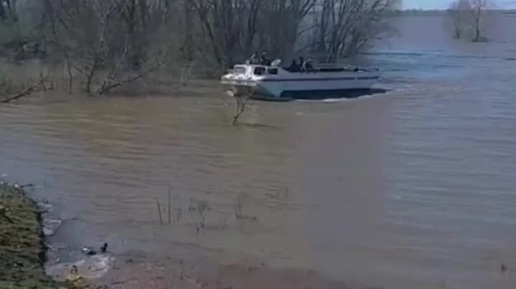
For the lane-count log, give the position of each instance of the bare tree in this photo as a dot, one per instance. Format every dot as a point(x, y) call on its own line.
point(109, 41)
point(282, 24)
point(345, 27)
point(240, 106)
point(8, 10)
point(11, 90)
point(3, 13)
point(236, 28)
point(478, 9)
point(40, 85)
point(458, 16)
point(9, 24)
point(470, 18)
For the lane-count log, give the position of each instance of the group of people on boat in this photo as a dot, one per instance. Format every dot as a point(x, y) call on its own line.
point(262, 59)
point(301, 66)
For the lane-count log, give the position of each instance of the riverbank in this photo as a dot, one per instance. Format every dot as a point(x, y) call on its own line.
point(22, 247)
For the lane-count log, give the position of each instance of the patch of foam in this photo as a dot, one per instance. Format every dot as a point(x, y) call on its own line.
point(45, 206)
point(50, 226)
point(327, 100)
point(336, 100)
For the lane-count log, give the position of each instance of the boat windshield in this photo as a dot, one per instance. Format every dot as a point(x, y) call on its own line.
point(259, 70)
point(239, 70)
point(272, 71)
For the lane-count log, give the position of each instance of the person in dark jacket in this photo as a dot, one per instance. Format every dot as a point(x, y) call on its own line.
point(265, 60)
point(294, 67)
point(301, 64)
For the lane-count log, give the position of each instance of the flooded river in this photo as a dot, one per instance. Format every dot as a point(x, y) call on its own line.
point(414, 188)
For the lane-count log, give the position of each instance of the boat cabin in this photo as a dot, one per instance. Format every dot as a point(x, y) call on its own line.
point(255, 70)
point(250, 70)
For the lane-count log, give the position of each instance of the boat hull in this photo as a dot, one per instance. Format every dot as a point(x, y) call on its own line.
point(247, 82)
point(326, 94)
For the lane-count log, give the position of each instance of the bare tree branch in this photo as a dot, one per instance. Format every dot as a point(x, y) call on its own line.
point(107, 86)
point(29, 90)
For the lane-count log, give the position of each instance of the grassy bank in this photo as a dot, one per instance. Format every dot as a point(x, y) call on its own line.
point(22, 249)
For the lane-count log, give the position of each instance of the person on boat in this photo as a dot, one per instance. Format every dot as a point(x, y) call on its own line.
point(308, 66)
point(301, 64)
point(265, 60)
point(294, 67)
point(252, 60)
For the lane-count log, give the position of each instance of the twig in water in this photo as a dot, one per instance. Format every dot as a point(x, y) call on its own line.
point(169, 205)
point(179, 211)
point(237, 208)
point(241, 104)
point(202, 207)
point(107, 86)
point(159, 212)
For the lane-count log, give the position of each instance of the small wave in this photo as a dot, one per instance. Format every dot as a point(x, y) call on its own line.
point(50, 222)
point(45, 206)
point(50, 226)
point(343, 99)
point(327, 100)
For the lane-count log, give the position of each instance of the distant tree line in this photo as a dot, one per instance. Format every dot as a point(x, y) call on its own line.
point(114, 42)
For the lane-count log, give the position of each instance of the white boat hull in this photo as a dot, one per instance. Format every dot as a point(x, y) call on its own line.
point(321, 85)
point(291, 85)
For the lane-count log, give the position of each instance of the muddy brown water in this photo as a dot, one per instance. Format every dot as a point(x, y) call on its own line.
point(414, 188)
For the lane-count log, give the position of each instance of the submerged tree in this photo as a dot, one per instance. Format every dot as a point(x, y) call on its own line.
point(470, 18)
point(478, 11)
point(457, 13)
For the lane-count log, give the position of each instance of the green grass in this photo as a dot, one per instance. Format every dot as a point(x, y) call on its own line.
point(22, 249)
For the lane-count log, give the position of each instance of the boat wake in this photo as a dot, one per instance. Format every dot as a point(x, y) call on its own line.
point(349, 96)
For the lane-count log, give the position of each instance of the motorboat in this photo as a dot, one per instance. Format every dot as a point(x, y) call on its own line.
point(279, 83)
